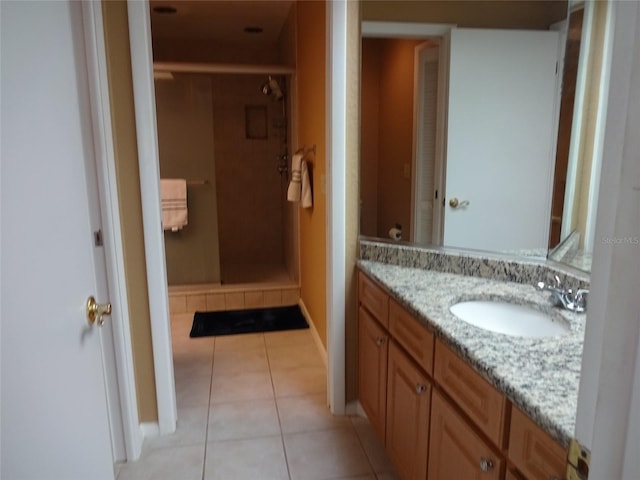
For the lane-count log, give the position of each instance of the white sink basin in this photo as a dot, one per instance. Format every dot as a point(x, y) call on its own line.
point(508, 318)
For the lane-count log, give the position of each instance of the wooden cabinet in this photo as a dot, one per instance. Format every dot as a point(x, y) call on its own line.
point(533, 451)
point(372, 370)
point(374, 299)
point(414, 337)
point(408, 402)
point(437, 416)
point(484, 405)
point(456, 450)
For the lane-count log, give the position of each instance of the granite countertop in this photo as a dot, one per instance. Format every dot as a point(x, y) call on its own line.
point(539, 375)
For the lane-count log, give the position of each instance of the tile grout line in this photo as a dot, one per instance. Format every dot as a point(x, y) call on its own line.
point(275, 401)
point(206, 432)
point(364, 450)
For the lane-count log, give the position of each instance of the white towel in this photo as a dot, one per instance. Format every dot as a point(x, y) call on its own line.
point(173, 192)
point(307, 198)
point(295, 186)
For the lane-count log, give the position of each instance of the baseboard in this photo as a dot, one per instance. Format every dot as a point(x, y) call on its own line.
point(314, 333)
point(149, 429)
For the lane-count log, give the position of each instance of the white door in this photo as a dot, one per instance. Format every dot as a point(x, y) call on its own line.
point(500, 138)
point(54, 421)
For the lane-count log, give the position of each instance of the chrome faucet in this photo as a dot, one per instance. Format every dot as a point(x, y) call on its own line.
point(565, 298)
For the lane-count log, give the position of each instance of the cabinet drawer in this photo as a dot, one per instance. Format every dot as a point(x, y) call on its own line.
point(374, 299)
point(456, 451)
point(373, 348)
point(477, 398)
point(533, 451)
point(412, 335)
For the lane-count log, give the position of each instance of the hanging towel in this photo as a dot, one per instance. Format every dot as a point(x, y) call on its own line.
point(295, 186)
point(307, 197)
point(173, 192)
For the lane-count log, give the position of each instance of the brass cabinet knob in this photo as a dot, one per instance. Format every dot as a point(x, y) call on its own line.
point(96, 311)
point(420, 388)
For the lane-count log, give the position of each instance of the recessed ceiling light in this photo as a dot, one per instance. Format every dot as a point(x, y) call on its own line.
point(253, 29)
point(165, 9)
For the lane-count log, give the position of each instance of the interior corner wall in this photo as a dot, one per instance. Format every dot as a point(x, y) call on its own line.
point(352, 138)
point(396, 135)
point(311, 82)
point(116, 33)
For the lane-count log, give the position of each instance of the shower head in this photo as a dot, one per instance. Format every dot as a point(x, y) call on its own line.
point(272, 87)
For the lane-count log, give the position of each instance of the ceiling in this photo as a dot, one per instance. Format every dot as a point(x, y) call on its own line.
point(220, 21)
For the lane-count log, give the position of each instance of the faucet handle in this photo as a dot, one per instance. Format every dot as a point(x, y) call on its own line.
point(580, 298)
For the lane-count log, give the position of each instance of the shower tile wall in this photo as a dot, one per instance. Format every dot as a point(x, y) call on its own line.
point(185, 125)
point(250, 191)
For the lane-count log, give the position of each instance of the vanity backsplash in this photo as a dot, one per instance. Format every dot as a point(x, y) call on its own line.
point(477, 264)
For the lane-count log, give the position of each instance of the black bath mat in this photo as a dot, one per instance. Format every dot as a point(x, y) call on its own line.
point(247, 321)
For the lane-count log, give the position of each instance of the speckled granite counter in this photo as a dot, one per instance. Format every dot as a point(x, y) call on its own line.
point(539, 375)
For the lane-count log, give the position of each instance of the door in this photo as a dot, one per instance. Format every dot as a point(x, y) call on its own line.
point(408, 402)
point(500, 138)
point(54, 411)
point(427, 122)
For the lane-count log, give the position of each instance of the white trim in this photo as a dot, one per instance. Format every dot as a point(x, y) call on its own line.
point(144, 102)
point(577, 121)
point(149, 429)
point(598, 143)
point(336, 124)
point(404, 29)
point(314, 332)
point(606, 421)
point(186, 67)
point(110, 212)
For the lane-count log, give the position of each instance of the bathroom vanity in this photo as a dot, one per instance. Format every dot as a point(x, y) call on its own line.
point(450, 400)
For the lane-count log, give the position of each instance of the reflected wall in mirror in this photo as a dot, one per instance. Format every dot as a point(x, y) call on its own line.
point(413, 143)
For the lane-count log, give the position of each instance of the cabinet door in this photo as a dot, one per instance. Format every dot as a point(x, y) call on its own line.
point(456, 450)
point(408, 401)
point(372, 370)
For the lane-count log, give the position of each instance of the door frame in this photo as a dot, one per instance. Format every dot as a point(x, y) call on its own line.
point(149, 166)
point(131, 439)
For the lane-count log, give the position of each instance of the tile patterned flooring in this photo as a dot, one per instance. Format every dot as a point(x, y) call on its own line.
point(253, 407)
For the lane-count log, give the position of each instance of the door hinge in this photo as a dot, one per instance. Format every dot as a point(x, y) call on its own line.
point(579, 460)
point(97, 238)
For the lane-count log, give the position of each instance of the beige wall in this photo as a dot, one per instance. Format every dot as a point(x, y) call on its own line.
point(387, 64)
point(311, 73)
point(194, 50)
point(352, 137)
point(522, 14)
point(128, 179)
point(184, 114)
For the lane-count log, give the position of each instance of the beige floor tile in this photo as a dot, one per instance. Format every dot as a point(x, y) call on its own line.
point(196, 303)
point(308, 413)
point(243, 361)
point(189, 364)
point(184, 463)
point(191, 429)
point(325, 454)
point(237, 420)
point(249, 459)
point(193, 391)
point(289, 338)
point(296, 356)
point(246, 341)
point(373, 446)
point(299, 381)
point(235, 387)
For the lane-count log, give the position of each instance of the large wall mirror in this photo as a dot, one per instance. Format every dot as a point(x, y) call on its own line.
point(481, 124)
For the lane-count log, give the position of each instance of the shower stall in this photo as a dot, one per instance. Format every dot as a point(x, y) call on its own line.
point(228, 135)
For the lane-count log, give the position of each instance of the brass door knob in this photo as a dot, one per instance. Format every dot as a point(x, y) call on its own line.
point(96, 311)
point(455, 203)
